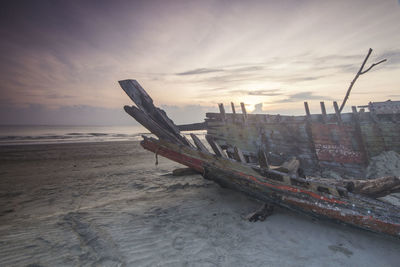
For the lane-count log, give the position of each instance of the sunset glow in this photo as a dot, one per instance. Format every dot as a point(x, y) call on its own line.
point(64, 54)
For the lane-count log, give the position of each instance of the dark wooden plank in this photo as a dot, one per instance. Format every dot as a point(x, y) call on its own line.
point(200, 146)
point(262, 159)
point(244, 112)
point(193, 126)
point(323, 111)
point(307, 109)
point(233, 108)
point(233, 112)
point(337, 112)
point(144, 102)
point(222, 111)
point(215, 147)
point(238, 155)
point(149, 124)
point(358, 135)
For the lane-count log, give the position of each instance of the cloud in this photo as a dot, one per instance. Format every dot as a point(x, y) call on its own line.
point(199, 71)
point(302, 96)
point(269, 92)
point(303, 79)
point(392, 56)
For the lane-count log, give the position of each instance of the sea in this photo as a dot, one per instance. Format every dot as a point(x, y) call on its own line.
point(49, 134)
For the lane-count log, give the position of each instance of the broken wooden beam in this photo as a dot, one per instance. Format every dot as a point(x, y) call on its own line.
point(215, 147)
point(323, 111)
point(337, 112)
point(261, 214)
point(308, 114)
point(193, 126)
point(244, 112)
point(233, 112)
point(200, 146)
point(377, 187)
point(290, 166)
point(150, 124)
point(262, 159)
point(238, 155)
point(222, 111)
point(145, 104)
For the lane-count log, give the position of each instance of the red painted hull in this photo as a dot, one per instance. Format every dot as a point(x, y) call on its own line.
point(299, 199)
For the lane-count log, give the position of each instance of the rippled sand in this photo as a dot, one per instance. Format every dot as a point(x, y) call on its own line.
point(107, 204)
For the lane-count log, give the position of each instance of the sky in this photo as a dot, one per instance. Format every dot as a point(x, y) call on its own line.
point(60, 61)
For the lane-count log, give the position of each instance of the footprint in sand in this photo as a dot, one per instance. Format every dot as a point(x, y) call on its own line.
point(178, 243)
point(341, 249)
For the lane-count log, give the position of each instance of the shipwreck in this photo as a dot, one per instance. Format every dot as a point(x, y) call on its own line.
point(272, 158)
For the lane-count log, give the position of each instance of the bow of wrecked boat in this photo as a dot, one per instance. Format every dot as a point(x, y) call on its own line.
point(351, 202)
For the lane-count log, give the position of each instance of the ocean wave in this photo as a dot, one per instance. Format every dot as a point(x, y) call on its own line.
point(69, 137)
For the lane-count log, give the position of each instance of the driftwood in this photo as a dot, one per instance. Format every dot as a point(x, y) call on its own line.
point(374, 188)
point(261, 214)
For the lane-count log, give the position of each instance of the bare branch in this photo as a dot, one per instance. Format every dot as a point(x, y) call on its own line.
point(360, 72)
point(373, 65)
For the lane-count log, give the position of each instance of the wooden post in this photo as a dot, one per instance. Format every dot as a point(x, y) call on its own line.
point(233, 108)
point(307, 110)
point(360, 140)
point(308, 124)
point(233, 112)
point(244, 112)
point(338, 116)
point(222, 111)
point(354, 109)
point(323, 110)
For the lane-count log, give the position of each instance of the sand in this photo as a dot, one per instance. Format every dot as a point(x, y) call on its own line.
point(107, 204)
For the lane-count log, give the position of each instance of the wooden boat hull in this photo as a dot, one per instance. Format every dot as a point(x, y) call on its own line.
point(281, 186)
point(355, 210)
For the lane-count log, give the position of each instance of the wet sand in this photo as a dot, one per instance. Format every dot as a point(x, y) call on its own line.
point(107, 204)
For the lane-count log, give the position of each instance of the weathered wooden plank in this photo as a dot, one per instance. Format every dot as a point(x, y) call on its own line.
point(262, 159)
point(323, 111)
point(337, 112)
point(222, 111)
point(244, 112)
point(193, 126)
point(307, 109)
point(233, 108)
point(149, 124)
point(215, 147)
point(238, 155)
point(144, 102)
point(358, 135)
point(233, 112)
point(200, 146)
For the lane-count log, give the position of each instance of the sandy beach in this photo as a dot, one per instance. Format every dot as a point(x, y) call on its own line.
point(107, 204)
